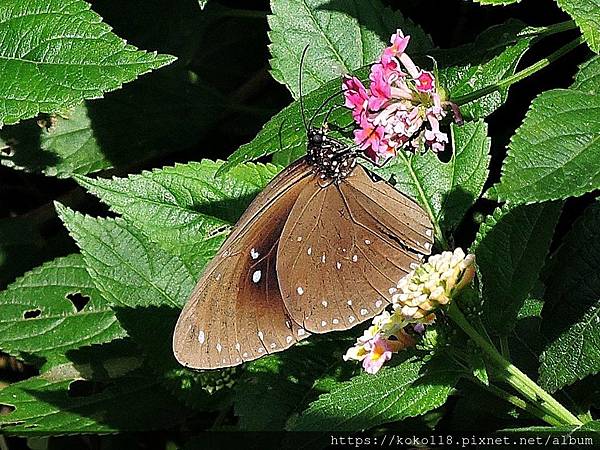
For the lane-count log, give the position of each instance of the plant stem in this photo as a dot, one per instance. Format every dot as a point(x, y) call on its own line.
point(528, 71)
point(504, 348)
point(551, 29)
point(518, 402)
point(513, 376)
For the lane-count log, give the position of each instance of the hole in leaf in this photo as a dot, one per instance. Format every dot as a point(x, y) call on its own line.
point(85, 388)
point(5, 410)
point(32, 314)
point(79, 301)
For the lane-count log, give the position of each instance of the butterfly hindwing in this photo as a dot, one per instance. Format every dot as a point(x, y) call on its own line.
point(236, 312)
point(344, 246)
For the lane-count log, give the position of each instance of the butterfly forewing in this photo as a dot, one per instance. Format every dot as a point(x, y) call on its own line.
point(344, 246)
point(236, 312)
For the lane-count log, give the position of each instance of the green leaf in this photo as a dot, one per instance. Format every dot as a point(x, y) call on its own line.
point(586, 14)
point(409, 389)
point(554, 154)
point(445, 190)
point(510, 249)
point(184, 208)
point(121, 260)
point(47, 69)
point(124, 128)
point(282, 384)
point(463, 79)
point(42, 314)
point(526, 342)
point(147, 287)
point(107, 391)
point(341, 36)
point(588, 77)
point(571, 313)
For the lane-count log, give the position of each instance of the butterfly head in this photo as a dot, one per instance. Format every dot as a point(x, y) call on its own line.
point(331, 159)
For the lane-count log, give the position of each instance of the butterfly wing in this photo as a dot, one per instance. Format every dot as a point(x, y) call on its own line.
point(236, 312)
point(344, 246)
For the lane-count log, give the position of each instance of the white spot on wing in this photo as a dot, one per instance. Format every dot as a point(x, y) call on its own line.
point(324, 303)
point(219, 347)
point(245, 355)
point(367, 241)
point(254, 254)
point(261, 336)
point(378, 303)
point(301, 331)
point(364, 312)
point(299, 290)
point(338, 265)
point(335, 321)
point(273, 345)
point(309, 251)
point(260, 350)
point(237, 346)
point(427, 245)
point(351, 319)
point(323, 258)
point(256, 276)
point(429, 233)
point(355, 258)
point(323, 323)
point(201, 337)
point(289, 339)
point(392, 290)
point(299, 238)
point(349, 302)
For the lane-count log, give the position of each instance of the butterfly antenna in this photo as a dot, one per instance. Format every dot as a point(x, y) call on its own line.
point(320, 108)
point(300, 87)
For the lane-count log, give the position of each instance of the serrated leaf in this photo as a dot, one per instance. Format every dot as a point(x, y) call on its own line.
point(586, 14)
point(445, 190)
point(554, 154)
point(342, 37)
point(56, 54)
point(395, 393)
point(571, 313)
point(124, 128)
point(108, 391)
point(588, 77)
point(185, 208)
point(40, 317)
point(478, 367)
point(147, 286)
point(461, 80)
point(510, 249)
point(120, 260)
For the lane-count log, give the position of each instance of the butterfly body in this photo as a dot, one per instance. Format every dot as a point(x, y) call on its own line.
point(317, 250)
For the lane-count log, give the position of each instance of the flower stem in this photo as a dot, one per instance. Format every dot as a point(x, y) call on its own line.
point(528, 71)
point(518, 402)
point(511, 374)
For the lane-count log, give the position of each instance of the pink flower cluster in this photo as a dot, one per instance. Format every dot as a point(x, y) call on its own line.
point(400, 107)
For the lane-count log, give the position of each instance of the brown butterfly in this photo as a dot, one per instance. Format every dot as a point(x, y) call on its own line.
point(317, 250)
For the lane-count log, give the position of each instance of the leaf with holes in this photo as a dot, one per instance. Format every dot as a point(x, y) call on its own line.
point(184, 208)
point(52, 309)
point(104, 389)
point(555, 153)
point(147, 288)
point(47, 69)
point(445, 190)
point(93, 135)
point(120, 259)
point(341, 37)
point(586, 14)
point(395, 393)
point(571, 313)
point(511, 248)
